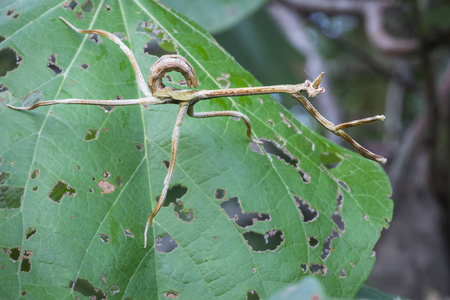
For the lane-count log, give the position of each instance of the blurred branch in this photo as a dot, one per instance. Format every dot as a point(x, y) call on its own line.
point(436, 38)
point(294, 30)
point(373, 13)
point(393, 111)
point(405, 78)
point(408, 149)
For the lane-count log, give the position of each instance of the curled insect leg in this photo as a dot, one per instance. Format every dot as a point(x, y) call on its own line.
point(337, 129)
point(124, 48)
point(168, 63)
point(226, 113)
point(175, 138)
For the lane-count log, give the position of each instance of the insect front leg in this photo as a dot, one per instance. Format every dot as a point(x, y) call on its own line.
point(175, 138)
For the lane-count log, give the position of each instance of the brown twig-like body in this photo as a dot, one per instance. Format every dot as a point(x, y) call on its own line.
point(157, 93)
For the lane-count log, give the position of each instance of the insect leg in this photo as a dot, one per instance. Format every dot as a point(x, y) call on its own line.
point(175, 138)
point(226, 113)
point(140, 79)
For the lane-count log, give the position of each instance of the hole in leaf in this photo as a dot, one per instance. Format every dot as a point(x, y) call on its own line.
point(25, 266)
point(233, 209)
point(91, 134)
point(4, 176)
point(119, 181)
point(270, 241)
point(342, 273)
point(139, 147)
point(128, 233)
point(88, 6)
point(290, 124)
point(165, 243)
point(106, 186)
point(79, 15)
point(308, 213)
point(35, 188)
point(107, 7)
point(304, 267)
point(11, 197)
point(84, 66)
point(95, 38)
point(104, 238)
point(276, 150)
point(304, 176)
point(171, 294)
point(15, 16)
point(52, 64)
point(339, 199)
point(24, 293)
point(313, 242)
point(330, 159)
point(160, 43)
point(175, 192)
point(174, 195)
point(10, 12)
point(220, 193)
point(34, 174)
point(256, 148)
point(270, 122)
point(114, 289)
point(3, 88)
point(166, 163)
point(87, 289)
point(106, 174)
point(9, 60)
point(224, 80)
point(71, 4)
point(281, 153)
point(338, 220)
point(13, 253)
point(326, 250)
point(30, 232)
point(252, 295)
point(344, 185)
point(106, 109)
point(318, 268)
point(158, 48)
point(32, 98)
point(61, 189)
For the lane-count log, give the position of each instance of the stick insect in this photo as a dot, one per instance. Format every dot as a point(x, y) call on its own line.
point(155, 93)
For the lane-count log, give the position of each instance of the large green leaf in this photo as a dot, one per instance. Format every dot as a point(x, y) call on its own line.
point(78, 183)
